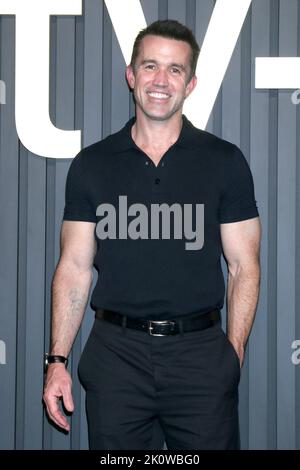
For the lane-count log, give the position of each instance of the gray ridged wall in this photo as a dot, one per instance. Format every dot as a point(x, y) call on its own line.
point(88, 91)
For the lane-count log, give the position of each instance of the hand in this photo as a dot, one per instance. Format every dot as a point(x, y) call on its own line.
point(239, 349)
point(58, 384)
point(240, 352)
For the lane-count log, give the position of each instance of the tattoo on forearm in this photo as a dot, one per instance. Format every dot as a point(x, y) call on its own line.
point(67, 324)
point(77, 301)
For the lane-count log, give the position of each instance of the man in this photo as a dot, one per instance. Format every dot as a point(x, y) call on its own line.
point(134, 201)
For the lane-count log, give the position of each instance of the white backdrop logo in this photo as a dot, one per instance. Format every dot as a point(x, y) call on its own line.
point(2, 92)
point(2, 352)
point(34, 127)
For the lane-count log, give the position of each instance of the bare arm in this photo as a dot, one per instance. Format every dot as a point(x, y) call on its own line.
point(70, 291)
point(241, 245)
point(71, 284)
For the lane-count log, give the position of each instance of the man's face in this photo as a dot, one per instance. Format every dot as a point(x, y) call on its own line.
point(161, 77)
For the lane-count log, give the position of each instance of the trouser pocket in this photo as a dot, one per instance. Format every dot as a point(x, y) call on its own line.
point(233, 353)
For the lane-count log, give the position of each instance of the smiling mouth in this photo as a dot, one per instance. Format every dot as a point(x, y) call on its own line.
point(158, 95)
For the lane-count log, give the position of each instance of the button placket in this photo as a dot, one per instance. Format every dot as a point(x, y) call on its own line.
point(155, 174)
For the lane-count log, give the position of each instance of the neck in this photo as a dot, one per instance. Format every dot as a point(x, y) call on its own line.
point(156, 134)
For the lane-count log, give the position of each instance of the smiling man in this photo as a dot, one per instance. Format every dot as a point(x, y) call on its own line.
point(160, 84)
point(157, 364)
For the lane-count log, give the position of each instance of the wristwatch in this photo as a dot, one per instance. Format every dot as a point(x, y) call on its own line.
point(54, 359)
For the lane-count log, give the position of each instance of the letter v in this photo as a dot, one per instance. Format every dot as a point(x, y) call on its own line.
point(221, 37)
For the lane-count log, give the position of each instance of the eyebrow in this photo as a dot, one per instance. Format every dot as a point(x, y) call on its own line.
point(152, 61)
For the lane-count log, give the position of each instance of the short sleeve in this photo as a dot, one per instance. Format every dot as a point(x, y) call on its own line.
point(78, 203)
point(238, 199)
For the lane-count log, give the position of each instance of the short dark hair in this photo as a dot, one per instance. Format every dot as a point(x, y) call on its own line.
point(170, 29)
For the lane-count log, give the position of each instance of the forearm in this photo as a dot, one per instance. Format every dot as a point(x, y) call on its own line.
point(70, 292)
point(242, 297)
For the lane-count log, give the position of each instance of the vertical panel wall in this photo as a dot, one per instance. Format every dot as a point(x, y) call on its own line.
point(88, 92)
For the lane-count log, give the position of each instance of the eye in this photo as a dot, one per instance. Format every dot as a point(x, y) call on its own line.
point(150, 67)
point(175, 70)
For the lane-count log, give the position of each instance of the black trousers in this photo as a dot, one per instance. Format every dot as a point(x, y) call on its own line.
point(138, 385)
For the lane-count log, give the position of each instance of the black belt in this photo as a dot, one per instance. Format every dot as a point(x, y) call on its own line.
point(162, 327)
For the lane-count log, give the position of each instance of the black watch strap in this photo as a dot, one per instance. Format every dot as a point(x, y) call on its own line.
point(55, 359)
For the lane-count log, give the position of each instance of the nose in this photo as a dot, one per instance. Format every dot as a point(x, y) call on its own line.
point(161, 78)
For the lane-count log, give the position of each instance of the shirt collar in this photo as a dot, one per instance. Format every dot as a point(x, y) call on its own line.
point(188, 136)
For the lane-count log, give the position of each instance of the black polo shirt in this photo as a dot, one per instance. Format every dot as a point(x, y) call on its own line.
point(145, 270)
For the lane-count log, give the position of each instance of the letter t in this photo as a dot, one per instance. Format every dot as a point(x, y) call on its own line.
point(34, 127)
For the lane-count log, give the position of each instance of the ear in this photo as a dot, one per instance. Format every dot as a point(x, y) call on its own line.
point(190, 86)
point(130, 76)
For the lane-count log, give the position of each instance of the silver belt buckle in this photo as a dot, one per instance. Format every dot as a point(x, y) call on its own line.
point(150, 327)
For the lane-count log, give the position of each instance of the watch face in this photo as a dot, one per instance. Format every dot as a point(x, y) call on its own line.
point(46, 362)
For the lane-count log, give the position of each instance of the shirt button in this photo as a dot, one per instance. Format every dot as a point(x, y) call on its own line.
point(157, 180)
point(162, 164)
point(147, 163)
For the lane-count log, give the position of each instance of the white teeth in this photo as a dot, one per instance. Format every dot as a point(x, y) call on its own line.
point(161, 96)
